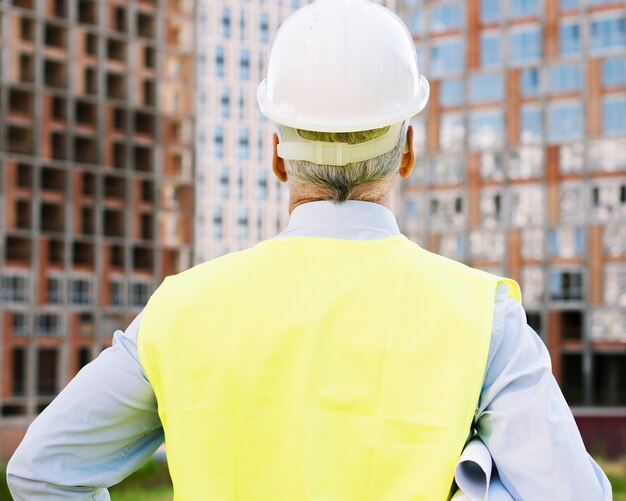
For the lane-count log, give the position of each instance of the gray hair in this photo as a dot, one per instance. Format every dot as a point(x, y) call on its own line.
point(367, 180)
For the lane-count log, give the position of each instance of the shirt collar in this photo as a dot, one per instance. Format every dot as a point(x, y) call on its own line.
point(349, 220)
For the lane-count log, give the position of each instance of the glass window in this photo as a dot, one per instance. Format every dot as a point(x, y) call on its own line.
point(47, 324)
point(451, 92)
point(569, 4)
point(608, 32)
point(139, 293)
point(527, 205)
point(607, 155)
point(218, 141)
point(490, 48)
point(242, 24)
point(447, 56)
point(487, 244)
point(244, 143)
point(116, 293)
point(225, 22)
point(240, 183)
point(614, 115)
point(416, 22)
point(446, 17)
point(54, 291)
point(446, 210)
point(446, 168)
point(244, 64)
point(225, 103)
point(609, 325)
point(490, 11)
point(224, 181)
point(15, 289)
point(569, 37)
point(532, 243)
point(526, 162)
point(608, 201)
point(20, 323)
point(531, 129)
point(524, 8)
point(264, 23)
point(484, 88)
point(262, 184)
point(486, 129)
point(491, 209)
point(80, 291)
point(451, 131)
point(566, 286)
point(566, 242)
point(571, 203)
point(565, 121)
point(491, 166)
point(452, 245)
point(531, 84)
point(571, 158)
point(218, 222)
point(242, 223)
point(525, 45)
point(532, 283)
point(614, 71)
point(564, 78)
point(219, 61)
point(614, 239)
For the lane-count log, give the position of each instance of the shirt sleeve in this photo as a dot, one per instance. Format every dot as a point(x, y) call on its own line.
point(103, 426)
point(526, 423)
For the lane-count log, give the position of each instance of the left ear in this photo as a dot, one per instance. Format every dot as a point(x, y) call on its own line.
point(278, 164)
point(408, 157)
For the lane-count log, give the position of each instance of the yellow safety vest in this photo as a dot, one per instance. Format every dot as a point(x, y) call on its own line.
point(318, 369)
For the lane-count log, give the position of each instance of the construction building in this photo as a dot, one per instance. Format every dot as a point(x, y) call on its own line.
point(96, 196)
point(521, 171)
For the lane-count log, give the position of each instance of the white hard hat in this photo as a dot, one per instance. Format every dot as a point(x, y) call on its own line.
point(342, 66)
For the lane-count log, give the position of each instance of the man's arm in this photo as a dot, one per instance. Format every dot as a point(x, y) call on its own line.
point(525, 421)
point(99, 429)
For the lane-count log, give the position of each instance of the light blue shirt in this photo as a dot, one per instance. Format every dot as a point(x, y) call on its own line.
point(104, 424)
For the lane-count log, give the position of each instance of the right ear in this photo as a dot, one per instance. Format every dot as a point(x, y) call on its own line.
point(278, 164)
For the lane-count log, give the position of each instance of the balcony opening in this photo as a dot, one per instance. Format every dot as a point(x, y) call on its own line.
point(119, 155)
point(145, 25)
point(114, 187)
point(83, 253)
point(52, 180)
point(144, 123)
point(116, 50)
point(27, 29)
point(147, 192)
point(113, 223)
point(609, 379)
point(47, 365)
point(91, 81)
point(86, 113)
point(17, 249)
point(56, 251)
point(24, 4)
point(27, 68)
point(58, 146)
point(24, 175)
point(54, 73)
point(147, 227)
point(87, 12)
point(142, 158)
point(116, 86)
point(117, 256)
point(149, 57)
point(149, 92)
point(119, 119)
point(55, 36)
point(89, 184)
point(59, 108)
point(87, 224)
point(51, 217)
point(19, 372)
point(572, 378)
point(59, 8)
point(120, 20)
point(572, 323)
point(91, 44)
point(20, 139)
point(21, 102)
point(23, 214)
point(85, 150)
point(142, 258)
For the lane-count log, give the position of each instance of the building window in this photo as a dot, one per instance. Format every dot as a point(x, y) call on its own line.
point(531, 83)
point(242, 104)
point(244, 143)
point(485, 88)
point(219, 61)
point(566, 241)
point(116, 293)
point(608, 201)
point(490, 11)
point(566, 286)
point(532, 243)
point(240, 183)
point(225, 102)
point(490, 208)
point(532, 283)
point(262, 184)
point(244, 64)
point(225, 22)
point(446, 168)
point(531, 129)
point(446, 210)
point(47, 324)
point(569, 4)
point(218, 141)
point(609, 325)
point(614, 239)
point(524, 8)
point(54, 291)
point(451, 131)
point(487, 244)
point(526, 162)
point(614, 115)
point(486, 129)
point(451, 92)
point(571, 203)
point(615, 285)
point(564, 78)
point(452, 245)
point(223, 181)
point(607, 155)
point(446, 17)
point(525, 45)
point(15, 289)
point(527, 206)
point(614, 71)
point(80, 291)
point(490, 48)
point(19, 323)
point(569, 37)
point(242, 24)
point(218, 222)
point(242, 223)
point(565, 121)
point(608, 32)
point(447, 57)
point(263, 27)
point(491, 166)
point(139, 293)
point(416, 22)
